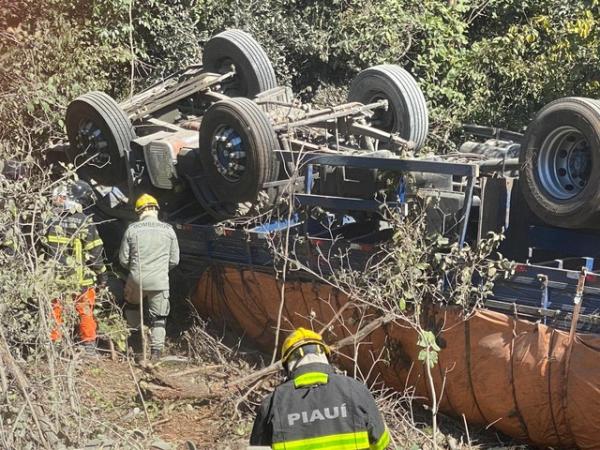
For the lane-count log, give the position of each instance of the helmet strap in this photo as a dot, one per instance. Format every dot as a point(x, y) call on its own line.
point(148, 211)
point(297, 355)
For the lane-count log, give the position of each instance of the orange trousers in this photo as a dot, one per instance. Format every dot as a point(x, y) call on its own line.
point(84, 305)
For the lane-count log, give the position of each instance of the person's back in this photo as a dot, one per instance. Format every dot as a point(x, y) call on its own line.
point(317, 408)
point(151, 251)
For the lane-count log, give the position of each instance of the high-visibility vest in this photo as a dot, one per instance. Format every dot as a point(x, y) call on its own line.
point(73, 241)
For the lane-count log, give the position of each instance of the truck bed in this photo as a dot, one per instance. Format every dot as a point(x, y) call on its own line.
point(535, 292)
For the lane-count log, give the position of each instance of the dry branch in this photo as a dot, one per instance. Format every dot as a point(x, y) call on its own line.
point(139, 391)
point(350, 340)
point(184, 391)
point(38, 415)
point(202, 369)
point(363, 332)
point(172, 387)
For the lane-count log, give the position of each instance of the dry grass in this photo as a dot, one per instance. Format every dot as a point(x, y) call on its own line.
point(225, 420)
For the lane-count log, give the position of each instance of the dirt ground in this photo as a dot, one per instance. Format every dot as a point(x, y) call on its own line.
point(206, 422)
point(186, 407)
point(191, 398)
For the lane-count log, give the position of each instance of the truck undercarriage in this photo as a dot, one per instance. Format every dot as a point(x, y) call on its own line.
point(237, 161)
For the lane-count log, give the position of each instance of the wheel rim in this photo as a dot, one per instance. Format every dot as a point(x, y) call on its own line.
point(92, 143)
point(384, 119)
point(564, 163)
point(228, 152)
point(234, 85)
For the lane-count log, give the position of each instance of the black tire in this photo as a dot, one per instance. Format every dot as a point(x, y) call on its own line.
point(407, 111)
point(243, 122)
point(560, 163)
point(254, 72)
point(109, 165)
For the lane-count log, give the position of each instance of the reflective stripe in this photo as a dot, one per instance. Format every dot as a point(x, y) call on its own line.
point(77, 247)
point(93, 244)
point(382, 442)
point(345, 441)
point(311, 378)
point(58, 239)
point(82, 275)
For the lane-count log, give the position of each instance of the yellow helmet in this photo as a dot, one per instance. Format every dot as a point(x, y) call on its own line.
point(144, 201)
point(300, 337)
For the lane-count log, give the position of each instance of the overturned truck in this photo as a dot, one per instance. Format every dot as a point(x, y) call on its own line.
point(238, 162)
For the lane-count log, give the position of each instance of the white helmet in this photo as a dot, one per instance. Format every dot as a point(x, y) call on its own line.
point(62, 198)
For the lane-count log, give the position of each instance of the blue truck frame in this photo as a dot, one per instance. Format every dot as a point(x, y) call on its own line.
point(541, 291)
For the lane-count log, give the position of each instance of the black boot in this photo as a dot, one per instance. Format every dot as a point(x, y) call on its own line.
point(155, 354)
point(134, 341)
point(89, 349)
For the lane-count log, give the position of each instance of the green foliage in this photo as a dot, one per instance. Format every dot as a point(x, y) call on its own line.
point(47, 61)
point(163, 33)
point(428, 39)
point(429, 348)
point(29, 286)
point(461, 266)
point(549, 51)
point(495, 62)
point(53, 51)
point(418, 272)
point(299, 36)
point(112, 323)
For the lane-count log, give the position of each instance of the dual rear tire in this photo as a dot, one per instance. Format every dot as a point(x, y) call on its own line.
point(237, 141)
point(237, 154)
point(100, 134)
point(560, 163)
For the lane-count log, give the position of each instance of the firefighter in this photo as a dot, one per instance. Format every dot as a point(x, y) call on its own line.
point(317, 408)
point(149, 250)
point(71, 239)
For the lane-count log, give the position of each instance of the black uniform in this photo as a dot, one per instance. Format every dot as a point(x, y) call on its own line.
point(72, 239)
point(318, 409)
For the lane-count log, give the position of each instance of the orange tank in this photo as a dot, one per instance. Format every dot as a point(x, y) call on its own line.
point(521, 377)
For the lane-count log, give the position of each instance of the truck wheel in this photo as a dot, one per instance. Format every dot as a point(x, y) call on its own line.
point(254, 72)
point(560, 163)
point(407, 111)
point(99, 135)
point(237, 145)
